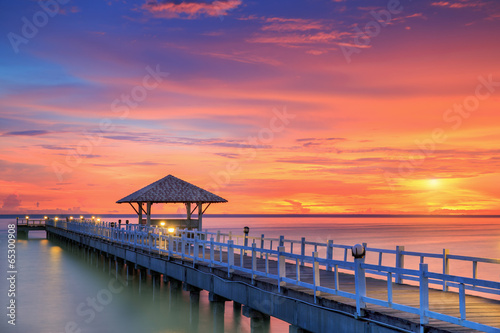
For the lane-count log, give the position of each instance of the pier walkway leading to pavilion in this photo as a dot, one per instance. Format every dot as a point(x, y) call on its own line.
point(278, 277)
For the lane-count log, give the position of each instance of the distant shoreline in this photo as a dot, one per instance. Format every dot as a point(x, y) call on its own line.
point(38, 216)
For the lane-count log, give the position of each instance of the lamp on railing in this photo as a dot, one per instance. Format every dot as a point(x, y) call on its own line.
point(56, 218)
point(45, 218)
point(171, 230)
point(162, 223)
point(71, 218)
point(246, 230)
point(98, 219)
point(358, 251)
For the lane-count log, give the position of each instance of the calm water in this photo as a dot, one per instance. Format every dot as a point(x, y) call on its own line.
point(55, 283)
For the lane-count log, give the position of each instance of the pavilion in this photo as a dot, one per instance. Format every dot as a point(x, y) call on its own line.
point(172, 190)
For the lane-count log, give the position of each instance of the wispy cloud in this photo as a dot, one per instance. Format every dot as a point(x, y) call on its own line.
point(190, 9)
point(28, 133)
point(459, 4)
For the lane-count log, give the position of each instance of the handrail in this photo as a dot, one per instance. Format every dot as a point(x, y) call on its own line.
point(194, 245)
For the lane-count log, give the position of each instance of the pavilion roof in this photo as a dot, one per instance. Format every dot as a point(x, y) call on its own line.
point(171, 189)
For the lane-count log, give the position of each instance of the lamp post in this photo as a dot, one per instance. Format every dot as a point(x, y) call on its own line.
point(246, 230)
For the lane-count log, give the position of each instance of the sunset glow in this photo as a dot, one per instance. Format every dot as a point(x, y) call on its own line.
point(276, 106)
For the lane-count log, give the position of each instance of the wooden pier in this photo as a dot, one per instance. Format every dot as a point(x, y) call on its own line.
point(313, 294)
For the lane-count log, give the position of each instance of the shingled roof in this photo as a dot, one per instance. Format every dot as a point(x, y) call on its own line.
point(172, 189)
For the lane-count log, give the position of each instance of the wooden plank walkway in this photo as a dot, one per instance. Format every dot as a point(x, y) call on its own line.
point(481, 310)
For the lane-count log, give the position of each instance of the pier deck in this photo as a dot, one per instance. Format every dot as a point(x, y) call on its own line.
point(311, 293)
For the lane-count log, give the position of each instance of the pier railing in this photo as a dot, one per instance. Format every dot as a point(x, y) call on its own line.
point(218, 250)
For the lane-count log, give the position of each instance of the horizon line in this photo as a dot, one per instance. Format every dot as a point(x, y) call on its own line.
point(279, 215)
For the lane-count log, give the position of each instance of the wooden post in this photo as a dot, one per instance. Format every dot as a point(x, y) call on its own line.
point(195, 250)
point(200, 216)
point(188, 210)
point(254, 262)
point(360, 285)
point(400, 262)
point(281, 266)
point(212, 252)
point(329, 254)
point(262, 245)
point(139, 204)
point(170, 246)
point(302, 250)
point(446, 268)
point(315, 275)
point(230, 257)
point(148, 212)
point(424, 295)
point(461, 297)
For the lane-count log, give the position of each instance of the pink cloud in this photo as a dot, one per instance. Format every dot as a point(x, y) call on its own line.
point(458, 4)
point(190, 9)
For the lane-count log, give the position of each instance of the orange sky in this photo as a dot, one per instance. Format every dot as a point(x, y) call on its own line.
point(408, 123)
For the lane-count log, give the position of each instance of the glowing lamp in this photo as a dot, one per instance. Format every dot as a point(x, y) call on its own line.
point(98, 220)
point(171, 230)
point(81, 217)
point(45, 217)
point(162, 223)
point(27, 217)
point(56, 218)
point(71, 217)
point(358, 251)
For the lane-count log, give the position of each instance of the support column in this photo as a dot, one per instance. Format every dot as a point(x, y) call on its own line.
point(139, 204)
point(259, 322)
point(148, 213)
point(217, 305)
point(188, 210)
point(194, 306)
point(200, 216)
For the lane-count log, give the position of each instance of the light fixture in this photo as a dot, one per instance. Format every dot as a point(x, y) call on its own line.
point(162, 223)
point(27, 217)
point(45, 217)
point(171, 230)
point(71, 217)
point(56, 218)
point(358, 251)
point(81, 217)
point(98, 219)
point(246, 230)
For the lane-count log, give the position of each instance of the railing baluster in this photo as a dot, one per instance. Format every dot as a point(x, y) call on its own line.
point(424, 294)
point(230, 257)
point(281, 266)
point(463, 306)
point(446, 268)
point(389, 288)
point(329, 254)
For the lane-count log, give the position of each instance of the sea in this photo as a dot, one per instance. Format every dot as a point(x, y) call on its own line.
point(56, 286)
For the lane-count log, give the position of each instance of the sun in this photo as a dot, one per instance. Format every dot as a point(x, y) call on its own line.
point(433, 182)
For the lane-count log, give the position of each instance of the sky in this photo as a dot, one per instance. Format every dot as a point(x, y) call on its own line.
point(312, 106)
